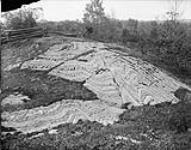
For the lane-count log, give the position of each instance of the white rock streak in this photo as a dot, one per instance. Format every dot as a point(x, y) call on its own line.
point(39, 64)
point(73, 70)
point(14, 99)
point(37, 119)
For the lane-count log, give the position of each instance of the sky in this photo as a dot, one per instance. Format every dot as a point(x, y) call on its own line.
point(58, 10)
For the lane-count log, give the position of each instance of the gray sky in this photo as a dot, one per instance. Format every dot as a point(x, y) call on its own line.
point(57, 10)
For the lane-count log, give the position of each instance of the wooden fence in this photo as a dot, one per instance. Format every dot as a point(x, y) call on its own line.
point(13, 35)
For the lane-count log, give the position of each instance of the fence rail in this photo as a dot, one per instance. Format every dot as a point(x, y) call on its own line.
point(13, 35)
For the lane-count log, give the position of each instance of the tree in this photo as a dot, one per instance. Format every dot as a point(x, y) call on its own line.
point(174, 11)
point(94, 19)
point(130, 31)
point(171, 27)
point(94, 12)
point(24, 18)
point(153, 36)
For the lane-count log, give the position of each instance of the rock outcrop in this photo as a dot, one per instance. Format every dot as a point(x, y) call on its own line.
point(116, 79)
point(66, 111)
point(15, 99)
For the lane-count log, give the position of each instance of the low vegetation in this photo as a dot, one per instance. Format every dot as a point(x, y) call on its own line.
point(22, 18)
point(163, 126)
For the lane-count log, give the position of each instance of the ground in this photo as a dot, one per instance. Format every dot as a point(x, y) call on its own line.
point(150, 127)
point(162, 126)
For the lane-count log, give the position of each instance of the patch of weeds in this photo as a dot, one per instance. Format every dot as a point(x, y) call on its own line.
point(183, 94)
point(180, 117)
point(43, 89)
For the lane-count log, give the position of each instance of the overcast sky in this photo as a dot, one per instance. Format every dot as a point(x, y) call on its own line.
point(57, 10)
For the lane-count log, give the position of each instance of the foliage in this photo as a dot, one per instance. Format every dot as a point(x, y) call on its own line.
point(108, 30)
point(171, 39)
point(23, 18)
point(95, 20)
point(130, 31)
point(73, 27)
point(94, 12)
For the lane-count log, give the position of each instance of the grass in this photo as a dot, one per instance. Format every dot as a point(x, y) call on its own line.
point(153, 126)
point(41, 88)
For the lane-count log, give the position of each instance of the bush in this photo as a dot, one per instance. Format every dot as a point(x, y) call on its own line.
point(23, 18)
point(109, 30)
point(179, 119)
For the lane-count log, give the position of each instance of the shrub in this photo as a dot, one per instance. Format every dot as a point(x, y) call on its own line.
point(23, 18)
point(179, 120)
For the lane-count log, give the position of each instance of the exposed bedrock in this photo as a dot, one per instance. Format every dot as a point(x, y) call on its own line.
point(116, 79)
point(37, 119)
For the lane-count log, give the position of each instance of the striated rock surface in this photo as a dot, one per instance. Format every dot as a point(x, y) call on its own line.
point(14, 99)
point(37, 119)
point(116, 79)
